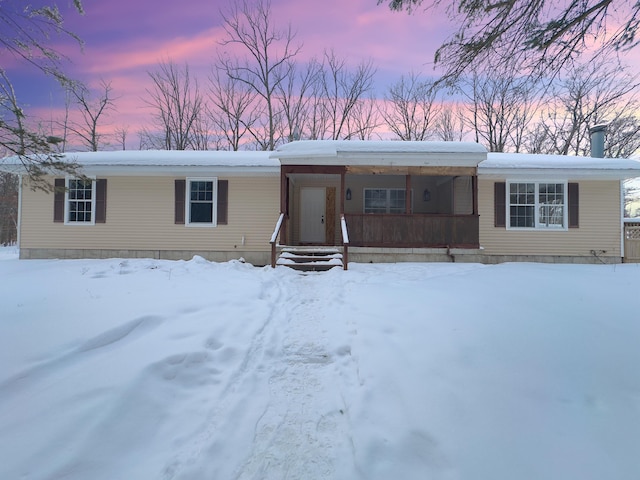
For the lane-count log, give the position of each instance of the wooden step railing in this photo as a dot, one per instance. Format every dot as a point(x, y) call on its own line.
point(345, 242)
point(274, 239)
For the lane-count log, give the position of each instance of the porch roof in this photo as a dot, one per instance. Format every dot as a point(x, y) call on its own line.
point(380, 153)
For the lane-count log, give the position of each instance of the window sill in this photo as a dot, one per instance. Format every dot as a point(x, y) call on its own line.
point(537, 229)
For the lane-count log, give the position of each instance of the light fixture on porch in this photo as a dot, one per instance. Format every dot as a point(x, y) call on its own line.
point(348, 194)
point(426, 195)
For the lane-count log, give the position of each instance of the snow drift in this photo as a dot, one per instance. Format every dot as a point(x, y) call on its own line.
point(146, 369)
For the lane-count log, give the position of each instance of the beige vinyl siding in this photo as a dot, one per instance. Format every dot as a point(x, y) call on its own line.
point(140, 216)
point(599, 228)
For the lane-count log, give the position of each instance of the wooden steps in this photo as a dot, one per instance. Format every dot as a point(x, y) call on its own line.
point(310, 259)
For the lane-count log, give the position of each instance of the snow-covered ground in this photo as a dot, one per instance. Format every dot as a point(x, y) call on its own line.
point(146, 369)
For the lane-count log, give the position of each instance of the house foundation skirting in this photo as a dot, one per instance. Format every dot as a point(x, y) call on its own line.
point(356, 255)
point(461, 255)
point(254, 258)
point(394, 255)
point(576, 259)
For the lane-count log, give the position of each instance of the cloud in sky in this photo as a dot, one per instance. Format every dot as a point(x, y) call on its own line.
point(125, 35)
point(124, 39)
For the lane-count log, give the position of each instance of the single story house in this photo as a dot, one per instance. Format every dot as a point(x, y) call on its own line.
point(386, 200)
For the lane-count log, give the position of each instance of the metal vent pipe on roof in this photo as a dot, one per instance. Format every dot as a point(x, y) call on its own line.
point(597, 140)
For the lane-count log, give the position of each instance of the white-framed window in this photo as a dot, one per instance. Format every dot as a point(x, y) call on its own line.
point(200, 204)
point(541, 205)
point(80, 201)
point(385, 200)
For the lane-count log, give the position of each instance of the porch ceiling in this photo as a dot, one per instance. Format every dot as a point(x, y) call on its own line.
point(403, 170)
point(324, 170)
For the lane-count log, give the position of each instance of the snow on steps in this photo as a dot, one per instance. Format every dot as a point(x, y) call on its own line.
point(310, 258)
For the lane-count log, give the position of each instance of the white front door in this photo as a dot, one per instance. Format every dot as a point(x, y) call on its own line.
point(312, 215)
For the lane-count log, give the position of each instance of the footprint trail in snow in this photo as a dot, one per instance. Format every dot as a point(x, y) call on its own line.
point(296, 435)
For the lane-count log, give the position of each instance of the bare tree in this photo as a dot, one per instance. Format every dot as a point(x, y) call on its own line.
point(295, 94)
point(501, 107)
point(202, 132)
point(234, 108)
point(178, 107)
point(18, 139)
point(364, 119)
point(268, 53)
point(25, 33)
point(149, 140)
point(121, 134)
point(319, 116)
point(409, 108)
point(542, 35)
point(92, 109)
point(594, 93)
point(450, 123)
point(342, 89)
point(58, 129)
point(623, 136)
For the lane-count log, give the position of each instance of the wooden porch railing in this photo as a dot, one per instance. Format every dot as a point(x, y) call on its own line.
point(414, 230)
point(345, 242)
point(274, 239)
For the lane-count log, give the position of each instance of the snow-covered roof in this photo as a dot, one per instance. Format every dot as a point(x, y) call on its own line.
point(345, 152)
point(169, 162)
point(371, 152)
point(499, 165)
point(333, 147)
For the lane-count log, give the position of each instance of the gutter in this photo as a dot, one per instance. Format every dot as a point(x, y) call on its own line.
point(19, 223)
point(622, 232)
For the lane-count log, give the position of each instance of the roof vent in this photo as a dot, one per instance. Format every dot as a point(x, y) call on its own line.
point(597, 140)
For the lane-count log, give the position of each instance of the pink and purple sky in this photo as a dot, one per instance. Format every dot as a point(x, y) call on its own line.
point(124, 39)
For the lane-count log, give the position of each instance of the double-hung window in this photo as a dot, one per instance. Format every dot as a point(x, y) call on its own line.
point(385, 200)
point(537, 205)
point(201, 201)
point(80, 201)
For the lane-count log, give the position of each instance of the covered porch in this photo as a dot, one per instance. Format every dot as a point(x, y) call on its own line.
point(380, 194)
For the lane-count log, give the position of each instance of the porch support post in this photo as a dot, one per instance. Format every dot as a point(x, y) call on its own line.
point(342, 192)
point(284, 208)
point(408, 195)
point(474, 186)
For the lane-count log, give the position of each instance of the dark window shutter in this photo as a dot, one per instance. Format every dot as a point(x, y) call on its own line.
point(223, 202)
point(499, 200)
point(179, 201)
point(574, 201)
point(101, 200)
point(58, 200)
